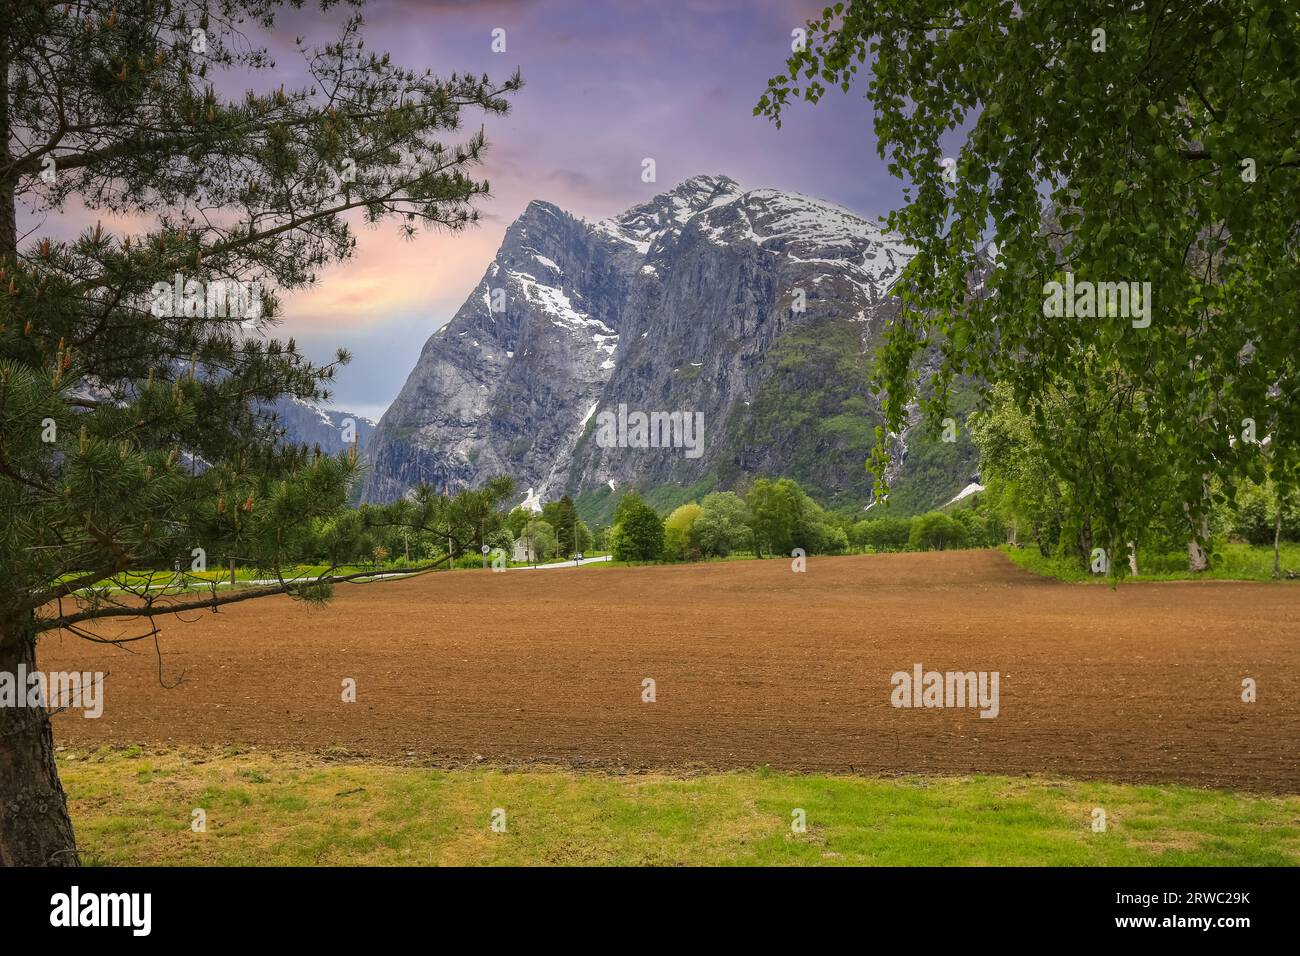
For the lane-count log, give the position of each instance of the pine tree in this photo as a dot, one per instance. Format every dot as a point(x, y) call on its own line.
point(130, 431)
point(567, 527)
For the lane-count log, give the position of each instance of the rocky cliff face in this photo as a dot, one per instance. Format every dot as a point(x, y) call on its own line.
point(753, 312)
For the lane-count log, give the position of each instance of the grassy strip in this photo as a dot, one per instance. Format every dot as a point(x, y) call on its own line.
point(1230, 562)
point(245, 574)
point(132, 807)
point(140, 579)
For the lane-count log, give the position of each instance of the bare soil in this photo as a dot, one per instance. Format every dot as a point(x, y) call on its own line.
point(752, 664)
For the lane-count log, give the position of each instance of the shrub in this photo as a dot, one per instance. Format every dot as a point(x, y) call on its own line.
point(834, 540)
point(935, 531)
point(679, 537)
point(639, 534)
point(882, 534)
point(722, 525)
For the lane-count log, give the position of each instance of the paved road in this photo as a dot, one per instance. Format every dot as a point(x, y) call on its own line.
point(564, 564)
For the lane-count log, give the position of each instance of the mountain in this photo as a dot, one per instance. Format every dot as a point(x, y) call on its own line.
point(303, 422)
point(310, 425)
point(752, 312)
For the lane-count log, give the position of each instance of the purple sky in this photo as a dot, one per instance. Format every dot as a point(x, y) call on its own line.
point(607, 83)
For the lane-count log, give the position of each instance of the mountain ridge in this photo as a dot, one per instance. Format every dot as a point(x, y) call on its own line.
point(755, 308)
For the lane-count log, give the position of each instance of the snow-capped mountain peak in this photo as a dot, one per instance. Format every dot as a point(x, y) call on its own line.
point(673, 305)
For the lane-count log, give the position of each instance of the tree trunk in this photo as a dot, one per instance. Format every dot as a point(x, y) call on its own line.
point(1040, 536)
point(1197, 559)
point(35, 829)
point(1133, 558)
point(1085, 543)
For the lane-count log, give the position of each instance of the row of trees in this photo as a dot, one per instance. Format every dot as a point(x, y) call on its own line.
point(468, 521)
point(774, 517)
point(450, 526)
point(1021, 504)
point(555, 532)
point(970, 527)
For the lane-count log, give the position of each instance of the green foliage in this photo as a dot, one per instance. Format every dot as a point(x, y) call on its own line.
point(1020, 486)
point(539, 536)
point(783, 517)
point(1254, 516)
point(563, 517)
point(722, 525)
point(775, 509)
point(778, 516)
point(596, 506)
point(314, 593)
point(638, 533)
point(665, 498)
point(983, 528)
point(882, 534)
point(1167, 157)
point(936, 531)
point(680, 541)
point(474, 514)
point(516, 519)
point(134, 433)
point(1232, 562)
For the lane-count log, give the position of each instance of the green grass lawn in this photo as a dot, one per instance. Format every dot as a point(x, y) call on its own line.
point(1229, 562)
point(133, 807)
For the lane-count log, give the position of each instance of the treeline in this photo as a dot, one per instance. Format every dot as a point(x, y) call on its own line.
point(773, 517)
point(427, 526)
point(966, 527)
point(776, 516)
point(554, 532)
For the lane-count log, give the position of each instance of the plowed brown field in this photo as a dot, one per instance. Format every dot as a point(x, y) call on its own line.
point(753, 665)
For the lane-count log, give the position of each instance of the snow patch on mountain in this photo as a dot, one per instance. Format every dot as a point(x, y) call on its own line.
point(972, 489)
